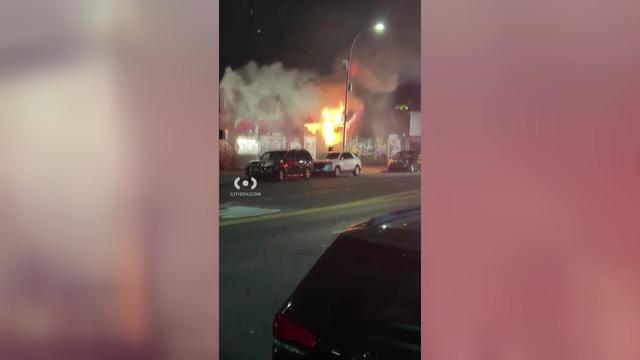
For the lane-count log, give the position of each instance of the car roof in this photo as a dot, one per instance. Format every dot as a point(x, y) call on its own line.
point(411, 215)
point(398, 228)
point(286, 151)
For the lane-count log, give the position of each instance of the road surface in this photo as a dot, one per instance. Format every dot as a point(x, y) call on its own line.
point(269, 242)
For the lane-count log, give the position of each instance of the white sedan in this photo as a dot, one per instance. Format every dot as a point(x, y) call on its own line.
point(336, 163)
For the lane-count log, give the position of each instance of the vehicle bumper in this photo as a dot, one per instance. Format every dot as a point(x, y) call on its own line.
point(283, 351)
point(323, 169)
point(260, 171)
point(397, 167)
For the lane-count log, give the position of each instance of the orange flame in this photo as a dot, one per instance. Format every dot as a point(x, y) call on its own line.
point(331, 125)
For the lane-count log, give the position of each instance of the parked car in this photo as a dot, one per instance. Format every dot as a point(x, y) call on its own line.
point(361, 299)
point(405, 160)
point(336, 163)
point(281, 164)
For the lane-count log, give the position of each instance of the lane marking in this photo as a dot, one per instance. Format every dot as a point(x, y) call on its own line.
point(405, 195)
point(234, 212)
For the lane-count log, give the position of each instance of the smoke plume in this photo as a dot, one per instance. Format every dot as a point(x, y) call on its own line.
point(287, 98)
point(273, 93)
point(381, 69)
point(269, 92)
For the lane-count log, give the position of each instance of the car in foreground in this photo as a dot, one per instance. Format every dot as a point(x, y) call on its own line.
point(361, 299)
point(405, 160)
point(281, 164)
point(336, 163)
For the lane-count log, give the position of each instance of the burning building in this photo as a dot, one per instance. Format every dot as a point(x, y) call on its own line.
point(270, 107)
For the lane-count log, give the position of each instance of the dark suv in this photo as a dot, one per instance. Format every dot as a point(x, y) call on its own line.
point(361, 299)
point(405, 161)
point(282, 164)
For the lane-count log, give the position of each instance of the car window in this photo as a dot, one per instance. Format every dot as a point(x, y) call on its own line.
point(333, 155)
point(347, 156)
point(302, 155)
point(405, 155)
point(306, 156)
point(291, 155)
point(272, 155)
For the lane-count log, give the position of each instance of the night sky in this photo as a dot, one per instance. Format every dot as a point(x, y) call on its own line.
point(313, 34)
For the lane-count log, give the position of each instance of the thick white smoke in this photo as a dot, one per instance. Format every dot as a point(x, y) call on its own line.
point(269, 92)
point(289, 97)
point(380, 70)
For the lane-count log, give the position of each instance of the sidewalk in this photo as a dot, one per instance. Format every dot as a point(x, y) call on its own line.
point(372, 169)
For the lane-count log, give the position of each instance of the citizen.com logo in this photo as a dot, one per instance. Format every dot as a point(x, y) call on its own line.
point(245, 184)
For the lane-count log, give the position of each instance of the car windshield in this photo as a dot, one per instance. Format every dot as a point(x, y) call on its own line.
point(272, 155)
point(403, 155)
point(333, 155)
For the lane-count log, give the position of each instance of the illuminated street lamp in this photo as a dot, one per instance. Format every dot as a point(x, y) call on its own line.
point(378, 29)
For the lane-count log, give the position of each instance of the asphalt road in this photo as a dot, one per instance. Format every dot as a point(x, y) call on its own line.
point(269, 242)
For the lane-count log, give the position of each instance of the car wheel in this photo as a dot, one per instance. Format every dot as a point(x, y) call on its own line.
point(281, 175)
point(336, 171)
point(356, 171)
point(307, 174)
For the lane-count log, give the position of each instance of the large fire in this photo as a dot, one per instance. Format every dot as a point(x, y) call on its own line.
point(331, 125)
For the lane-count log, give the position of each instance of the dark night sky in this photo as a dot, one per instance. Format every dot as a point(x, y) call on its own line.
point(308, 33)
point(312, 34)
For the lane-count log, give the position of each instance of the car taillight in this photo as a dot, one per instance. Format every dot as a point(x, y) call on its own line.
point(286, 330)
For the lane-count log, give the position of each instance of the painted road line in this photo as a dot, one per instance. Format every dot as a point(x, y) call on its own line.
point(343, 206)
point(405, 195)
point(235, 212)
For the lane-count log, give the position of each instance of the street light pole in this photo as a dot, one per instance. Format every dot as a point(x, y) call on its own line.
point(378, 28)
point(346, 94)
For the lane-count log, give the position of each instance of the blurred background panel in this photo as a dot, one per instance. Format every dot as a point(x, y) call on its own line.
point(108, 196)
point(531, 168)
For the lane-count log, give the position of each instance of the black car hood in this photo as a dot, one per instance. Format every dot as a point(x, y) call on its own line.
point(363, 295)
